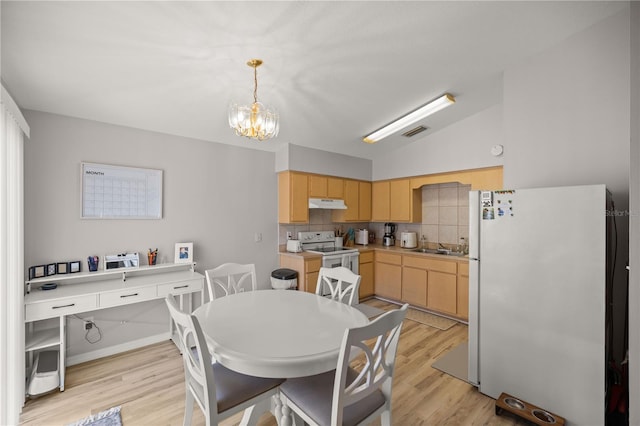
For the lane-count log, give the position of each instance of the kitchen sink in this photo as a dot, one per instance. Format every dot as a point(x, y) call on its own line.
point(444, 252)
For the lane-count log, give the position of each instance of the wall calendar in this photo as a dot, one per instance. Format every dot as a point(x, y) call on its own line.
point(117, 192)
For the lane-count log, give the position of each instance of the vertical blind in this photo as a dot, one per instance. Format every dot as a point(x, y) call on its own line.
point(13, 128)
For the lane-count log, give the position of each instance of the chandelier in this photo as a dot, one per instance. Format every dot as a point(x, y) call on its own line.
point(254, 121)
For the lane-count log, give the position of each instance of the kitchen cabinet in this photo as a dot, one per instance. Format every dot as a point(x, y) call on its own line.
point(440, 285)
point(326, 187)
point(395, 201)
point(463, 290)
point(366, 274)
point(293, 197)
point(388, 275)
point(308, 268)
point(357, 197)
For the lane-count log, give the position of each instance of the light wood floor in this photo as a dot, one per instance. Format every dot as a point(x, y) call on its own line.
point(148, 384)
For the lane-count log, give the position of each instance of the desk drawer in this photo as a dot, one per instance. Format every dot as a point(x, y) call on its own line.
point(179, 288)
point(126, 296)
point(59, 307)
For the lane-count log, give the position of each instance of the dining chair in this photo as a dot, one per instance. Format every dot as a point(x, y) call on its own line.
point(354, 393)
point(341, 282)
point(231, 278)
point(219, 391)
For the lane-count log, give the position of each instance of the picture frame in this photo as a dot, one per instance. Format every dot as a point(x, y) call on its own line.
point(62, 267)
point(37, 271)
point(51, 269)
point(184, 253)
point(74, 266)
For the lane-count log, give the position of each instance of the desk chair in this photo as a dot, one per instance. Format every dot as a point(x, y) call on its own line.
point(352, 395)
point(231, 278)
point(343, 284)
point(219, 392)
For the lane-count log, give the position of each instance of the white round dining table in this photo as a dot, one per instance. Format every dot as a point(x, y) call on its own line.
point(277, 333)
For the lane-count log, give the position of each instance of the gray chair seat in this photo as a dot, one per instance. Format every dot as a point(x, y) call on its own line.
point(234, 388)
point(314, 395)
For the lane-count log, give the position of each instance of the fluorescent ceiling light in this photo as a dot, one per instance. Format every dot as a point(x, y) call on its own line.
point(406, 120)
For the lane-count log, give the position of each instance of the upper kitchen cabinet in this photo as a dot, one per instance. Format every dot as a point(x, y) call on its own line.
point(486, 178)
point(396, 201)
point(293, 197)
point(357, 197)
point(326, 187)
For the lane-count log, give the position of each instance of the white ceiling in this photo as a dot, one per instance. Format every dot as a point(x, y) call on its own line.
point(334, 70)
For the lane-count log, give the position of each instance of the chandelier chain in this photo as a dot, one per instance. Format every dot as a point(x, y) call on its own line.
point(255, 83)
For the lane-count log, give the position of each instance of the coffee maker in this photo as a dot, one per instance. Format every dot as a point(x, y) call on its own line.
point(389, 238)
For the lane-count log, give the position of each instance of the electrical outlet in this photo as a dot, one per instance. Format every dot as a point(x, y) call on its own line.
point(289, 235)
point(88, 323)
point(257, 237)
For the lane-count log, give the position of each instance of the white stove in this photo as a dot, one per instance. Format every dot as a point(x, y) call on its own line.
point(324, 243)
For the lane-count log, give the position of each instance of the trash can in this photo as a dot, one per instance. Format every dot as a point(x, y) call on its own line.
point(284, 279)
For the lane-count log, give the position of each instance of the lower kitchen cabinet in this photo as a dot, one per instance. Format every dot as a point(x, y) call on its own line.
point(366, 274)
point(414, 286)
point(388, 275)
point(308, 269)
point(442, 292)
point(463, 290)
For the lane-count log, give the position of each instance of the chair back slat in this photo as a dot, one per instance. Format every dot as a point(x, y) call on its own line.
point(342, 283)
point(376, 371)
point(231, 278)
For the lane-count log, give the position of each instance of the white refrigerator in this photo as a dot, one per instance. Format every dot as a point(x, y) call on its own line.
point(538, 288)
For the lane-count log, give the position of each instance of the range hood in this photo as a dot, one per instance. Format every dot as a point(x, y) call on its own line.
point(323, 203)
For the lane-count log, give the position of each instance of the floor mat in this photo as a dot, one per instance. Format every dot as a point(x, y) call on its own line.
point(455, 362)
point(430, 319)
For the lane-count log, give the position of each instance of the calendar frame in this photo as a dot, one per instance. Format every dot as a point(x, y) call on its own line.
point(148, 186)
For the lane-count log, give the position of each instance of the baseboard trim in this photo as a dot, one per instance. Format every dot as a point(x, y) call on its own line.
point(112, 350)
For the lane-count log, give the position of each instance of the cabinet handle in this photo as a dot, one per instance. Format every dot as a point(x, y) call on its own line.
point(181, 286)
point(63, 306)
point(129, 295)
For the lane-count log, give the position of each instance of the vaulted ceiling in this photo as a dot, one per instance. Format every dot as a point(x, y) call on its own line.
point(335, 71)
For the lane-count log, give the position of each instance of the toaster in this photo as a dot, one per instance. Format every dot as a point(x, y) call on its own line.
point(294, 246)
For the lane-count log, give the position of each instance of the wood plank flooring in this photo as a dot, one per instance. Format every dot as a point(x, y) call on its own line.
point(148, 384)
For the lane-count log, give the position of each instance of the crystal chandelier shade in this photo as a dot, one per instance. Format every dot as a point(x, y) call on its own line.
point(254, 121)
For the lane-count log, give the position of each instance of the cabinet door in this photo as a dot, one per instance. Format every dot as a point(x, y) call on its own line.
point(335, 187)
point(299, 201)
point(365, 201)
point(414, 286)
point(380, 201)
point(387, 280)
point(441, 292)
point(463, 290)
point(400, 200)
point(366, 280)
point(351, 199)
point(317, 186)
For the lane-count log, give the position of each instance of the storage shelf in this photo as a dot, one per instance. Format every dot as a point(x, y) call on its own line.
point(43, 339)
point(79, 276)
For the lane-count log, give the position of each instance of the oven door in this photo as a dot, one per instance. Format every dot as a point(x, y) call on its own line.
point(348, 260)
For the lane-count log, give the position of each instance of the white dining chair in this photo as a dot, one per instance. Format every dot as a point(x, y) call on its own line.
point(352, 395)
point(342, 284)
point(231, 278)
point(219, 392)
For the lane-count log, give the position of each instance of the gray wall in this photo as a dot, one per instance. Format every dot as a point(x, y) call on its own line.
point(303, 159)
point(215, 195)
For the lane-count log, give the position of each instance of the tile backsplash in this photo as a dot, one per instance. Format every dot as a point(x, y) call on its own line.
point(445, 218)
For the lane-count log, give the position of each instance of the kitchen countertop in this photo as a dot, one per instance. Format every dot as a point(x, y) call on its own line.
point(378, 246)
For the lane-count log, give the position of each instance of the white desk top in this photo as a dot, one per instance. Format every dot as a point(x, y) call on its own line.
point(277, 333)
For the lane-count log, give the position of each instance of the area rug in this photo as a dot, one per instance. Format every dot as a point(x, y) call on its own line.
point(110, 417)
point(369, 311)
point(431, 320)
point(455, 362)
